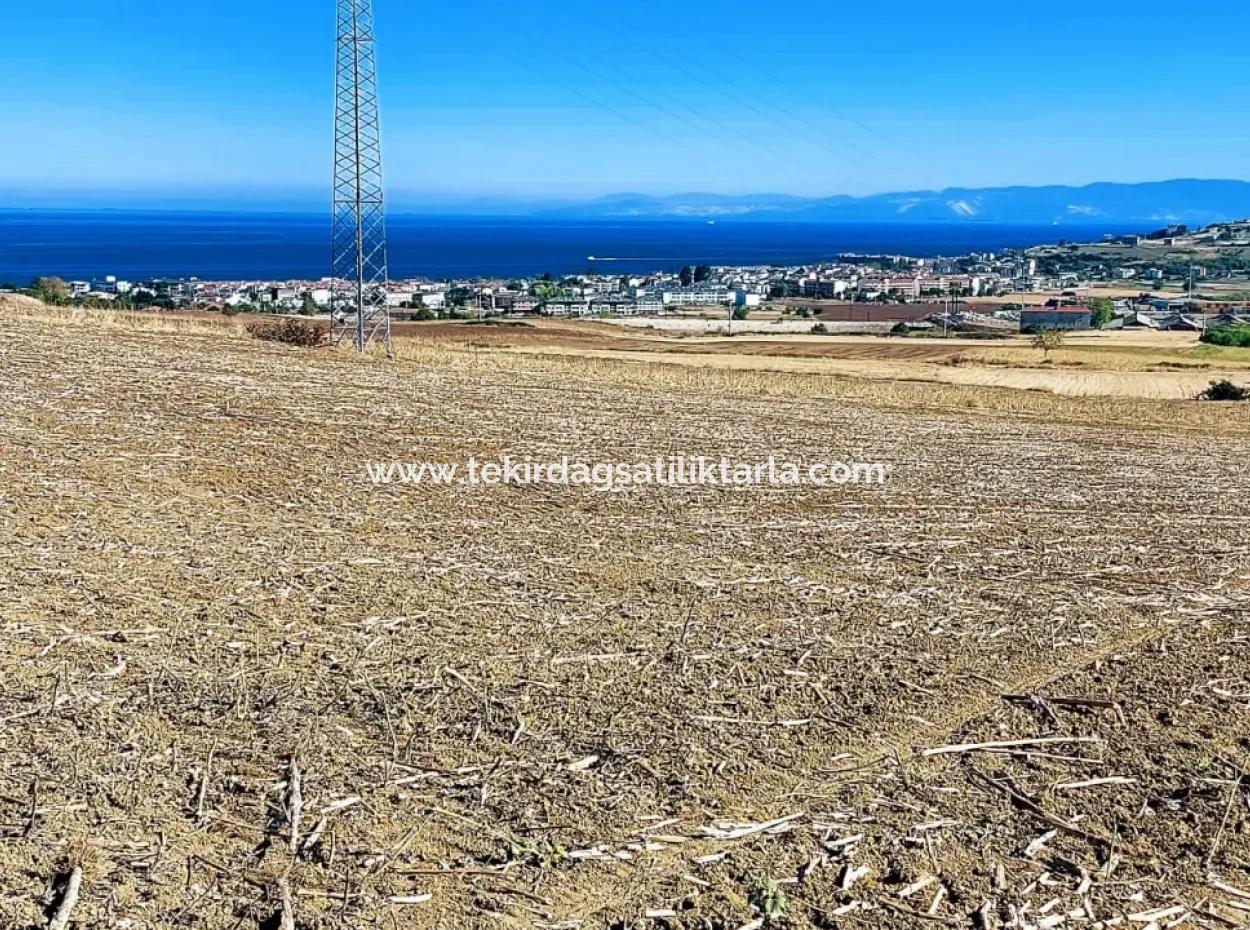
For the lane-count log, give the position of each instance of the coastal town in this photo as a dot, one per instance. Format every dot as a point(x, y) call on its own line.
point(1170, 278)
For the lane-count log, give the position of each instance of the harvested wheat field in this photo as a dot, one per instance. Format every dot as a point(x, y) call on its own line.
point(958, 369)
point(1163, 366)
point(243, 687)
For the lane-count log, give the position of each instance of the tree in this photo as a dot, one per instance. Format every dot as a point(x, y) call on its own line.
point(741, 313)
point(1101, 311)
point(459, 296)
point(1236, 336)
point(687, 276)
point(548, 290)
point(51, 290)
point(702, 273)
point(1048, 340)
point(308, 307)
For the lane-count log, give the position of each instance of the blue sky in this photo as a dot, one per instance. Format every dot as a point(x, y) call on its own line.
point(157, 101)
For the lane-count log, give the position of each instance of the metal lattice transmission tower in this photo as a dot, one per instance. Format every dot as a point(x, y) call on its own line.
point(359, 311)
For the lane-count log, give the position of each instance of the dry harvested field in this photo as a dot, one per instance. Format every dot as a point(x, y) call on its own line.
point(242, 687)
point(1143, 364)
point(954, 369)
point(1168, 366)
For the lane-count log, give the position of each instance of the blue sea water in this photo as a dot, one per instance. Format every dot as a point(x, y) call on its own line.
point(231, 246)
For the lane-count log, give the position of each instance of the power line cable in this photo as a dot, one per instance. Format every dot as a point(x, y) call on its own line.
point(727, 136)
point(722, 85)
point(836, 112)
point(598, 104)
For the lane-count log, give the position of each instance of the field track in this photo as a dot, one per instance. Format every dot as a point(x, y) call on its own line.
point(554, 707)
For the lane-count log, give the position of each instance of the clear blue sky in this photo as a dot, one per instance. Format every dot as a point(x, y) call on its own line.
point(160, 99)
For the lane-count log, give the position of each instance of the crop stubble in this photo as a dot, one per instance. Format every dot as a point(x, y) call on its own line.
point(531, 706)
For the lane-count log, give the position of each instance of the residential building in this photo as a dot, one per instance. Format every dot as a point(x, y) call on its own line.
point(1061, 318)
point(566, 308)
point(700, 295)
point(649, 303)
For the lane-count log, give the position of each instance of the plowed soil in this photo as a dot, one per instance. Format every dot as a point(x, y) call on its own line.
point(242, 686)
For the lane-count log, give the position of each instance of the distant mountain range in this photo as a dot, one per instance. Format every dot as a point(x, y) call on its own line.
point(1194, 202)
point(1128, 206)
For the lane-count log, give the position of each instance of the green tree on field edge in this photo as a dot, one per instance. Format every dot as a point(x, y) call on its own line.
point(51, 290)
point(1101, 311)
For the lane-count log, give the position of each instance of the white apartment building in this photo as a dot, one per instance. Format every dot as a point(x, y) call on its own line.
point(700, 295)
point(567, 308)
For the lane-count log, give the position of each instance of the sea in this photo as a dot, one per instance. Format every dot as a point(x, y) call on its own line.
point(137, 246)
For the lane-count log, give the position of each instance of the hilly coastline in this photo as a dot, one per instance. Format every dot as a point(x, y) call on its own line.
point(1196, 202)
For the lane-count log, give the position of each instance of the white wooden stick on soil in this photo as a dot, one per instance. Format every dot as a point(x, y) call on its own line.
point(295, 803)
point(1007, 744)
point(64, 910)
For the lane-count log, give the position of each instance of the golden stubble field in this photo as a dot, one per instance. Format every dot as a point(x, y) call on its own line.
point(1142, 363)
point(243, 687)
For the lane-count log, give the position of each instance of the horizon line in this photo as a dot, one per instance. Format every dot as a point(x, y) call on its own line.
point(1076, 221)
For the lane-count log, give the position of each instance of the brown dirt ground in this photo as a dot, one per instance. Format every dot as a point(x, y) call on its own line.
point(553, 707)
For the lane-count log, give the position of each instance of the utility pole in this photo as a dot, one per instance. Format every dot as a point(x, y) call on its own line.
point(358, 308)
point(1192, 307)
